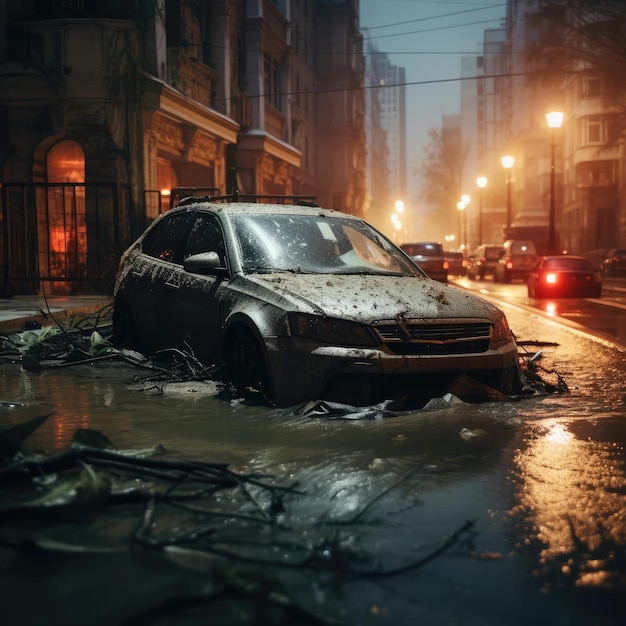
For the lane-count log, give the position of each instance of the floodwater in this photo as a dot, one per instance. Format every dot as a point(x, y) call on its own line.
point(541, 481)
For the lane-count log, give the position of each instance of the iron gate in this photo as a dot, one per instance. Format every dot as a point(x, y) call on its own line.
point(59, 238)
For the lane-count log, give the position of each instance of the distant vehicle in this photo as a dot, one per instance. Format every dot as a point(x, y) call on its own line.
point(517, 260)
point(304, 303)
point(614, 262)
point(457, 262)
point(429, 255)
point(564, 276)
point(484, 260)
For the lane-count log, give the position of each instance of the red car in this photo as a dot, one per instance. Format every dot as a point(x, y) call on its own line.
point(564, 276)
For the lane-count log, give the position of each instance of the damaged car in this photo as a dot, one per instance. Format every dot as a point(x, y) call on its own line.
point(303, 303)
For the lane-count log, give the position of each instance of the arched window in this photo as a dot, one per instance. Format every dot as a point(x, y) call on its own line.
point(65, 163)
point(62, 220)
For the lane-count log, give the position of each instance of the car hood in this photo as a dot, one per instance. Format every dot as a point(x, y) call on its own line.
point(366, 298)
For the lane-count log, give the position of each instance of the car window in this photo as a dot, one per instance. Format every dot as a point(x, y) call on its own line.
point(493, 253)
point(166, 240)
point(314, 244)
point(568, 264)
point(523, 247)
point(206, 236)
point(423, 249)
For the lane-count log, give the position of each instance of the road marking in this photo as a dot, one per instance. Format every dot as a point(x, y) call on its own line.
point(616, 305)
point(555, 320)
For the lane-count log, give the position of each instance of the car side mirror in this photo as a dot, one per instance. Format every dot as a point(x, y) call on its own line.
point(203, 263)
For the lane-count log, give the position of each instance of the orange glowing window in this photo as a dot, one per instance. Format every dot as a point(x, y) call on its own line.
point(65, 163)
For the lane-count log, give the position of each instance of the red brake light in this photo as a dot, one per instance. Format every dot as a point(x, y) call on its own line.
point(551, 278)
point(446, 265)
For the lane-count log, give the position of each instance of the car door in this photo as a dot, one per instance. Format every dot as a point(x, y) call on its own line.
point(197, 309)
point(156, 280)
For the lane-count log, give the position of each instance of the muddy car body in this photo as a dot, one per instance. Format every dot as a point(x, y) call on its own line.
point(304, 303)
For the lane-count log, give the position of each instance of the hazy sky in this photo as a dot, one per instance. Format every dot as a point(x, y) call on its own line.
point(429, 38)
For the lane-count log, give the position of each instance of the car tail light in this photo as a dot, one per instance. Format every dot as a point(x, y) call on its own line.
point(551, 278)
point(509, 264)
point(446, 265)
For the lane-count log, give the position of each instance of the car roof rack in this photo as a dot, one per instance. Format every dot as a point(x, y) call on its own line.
point(239, 197)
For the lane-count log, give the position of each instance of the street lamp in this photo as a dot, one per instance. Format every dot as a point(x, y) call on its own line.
point(554, 119)
point(461, 207)
point(507, 163)
point(481, 181)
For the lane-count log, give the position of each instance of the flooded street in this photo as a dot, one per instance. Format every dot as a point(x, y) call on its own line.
point(493, 513)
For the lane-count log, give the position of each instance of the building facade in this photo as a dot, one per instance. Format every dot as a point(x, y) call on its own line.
point(525, 73)
point(387, 153)
point(107, 109)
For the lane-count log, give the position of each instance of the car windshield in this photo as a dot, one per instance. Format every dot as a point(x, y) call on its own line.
point(316, 244)
point(493, 253)
point(523, 247)
point(422, 249)
point(568, 264)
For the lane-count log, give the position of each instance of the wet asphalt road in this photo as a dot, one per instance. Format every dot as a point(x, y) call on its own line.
point(473, 514)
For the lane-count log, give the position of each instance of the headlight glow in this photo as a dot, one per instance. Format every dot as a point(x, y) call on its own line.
point(331, 331)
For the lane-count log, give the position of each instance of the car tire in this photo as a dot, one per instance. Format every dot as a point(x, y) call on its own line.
point(124, 329)
point(245, 366)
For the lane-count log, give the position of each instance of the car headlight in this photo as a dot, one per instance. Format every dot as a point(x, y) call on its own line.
point(501, 332)
point(331, 331)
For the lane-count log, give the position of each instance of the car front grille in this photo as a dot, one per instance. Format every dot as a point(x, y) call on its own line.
point(427, 338)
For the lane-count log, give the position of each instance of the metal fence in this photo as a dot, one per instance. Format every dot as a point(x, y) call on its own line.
point(60, 238)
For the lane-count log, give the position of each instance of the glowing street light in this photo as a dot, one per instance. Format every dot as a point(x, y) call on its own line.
point(507, 163)
point(481, 181)
point(465, 199)
point(554, 119)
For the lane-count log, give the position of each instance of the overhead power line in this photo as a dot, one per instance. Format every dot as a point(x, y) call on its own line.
point(387, 86)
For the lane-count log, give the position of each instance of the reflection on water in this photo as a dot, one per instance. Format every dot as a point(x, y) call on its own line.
point(418, 477)
point(571, 496)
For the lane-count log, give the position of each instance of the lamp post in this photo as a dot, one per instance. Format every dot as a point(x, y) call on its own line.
point(554, 119)
point(507, 163)
point(481, 181)
point(461, 207)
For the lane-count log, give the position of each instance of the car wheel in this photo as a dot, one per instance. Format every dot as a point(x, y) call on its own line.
point(245, 366)
point(124, 329)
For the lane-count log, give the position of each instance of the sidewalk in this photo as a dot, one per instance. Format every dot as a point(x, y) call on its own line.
point(17, 311)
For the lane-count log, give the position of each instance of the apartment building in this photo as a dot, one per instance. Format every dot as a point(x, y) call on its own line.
point(108, 109)
point(571, 176)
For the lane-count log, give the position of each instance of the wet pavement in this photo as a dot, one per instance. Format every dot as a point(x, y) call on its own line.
point(18, 311)
point(540, 481)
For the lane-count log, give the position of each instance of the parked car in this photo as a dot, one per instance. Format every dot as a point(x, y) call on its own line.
point(457, 262)
point(303, 303)
point(429, 255)
point(614, 262)
point(564, 276)
point(484, 260)
point(517, 260)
